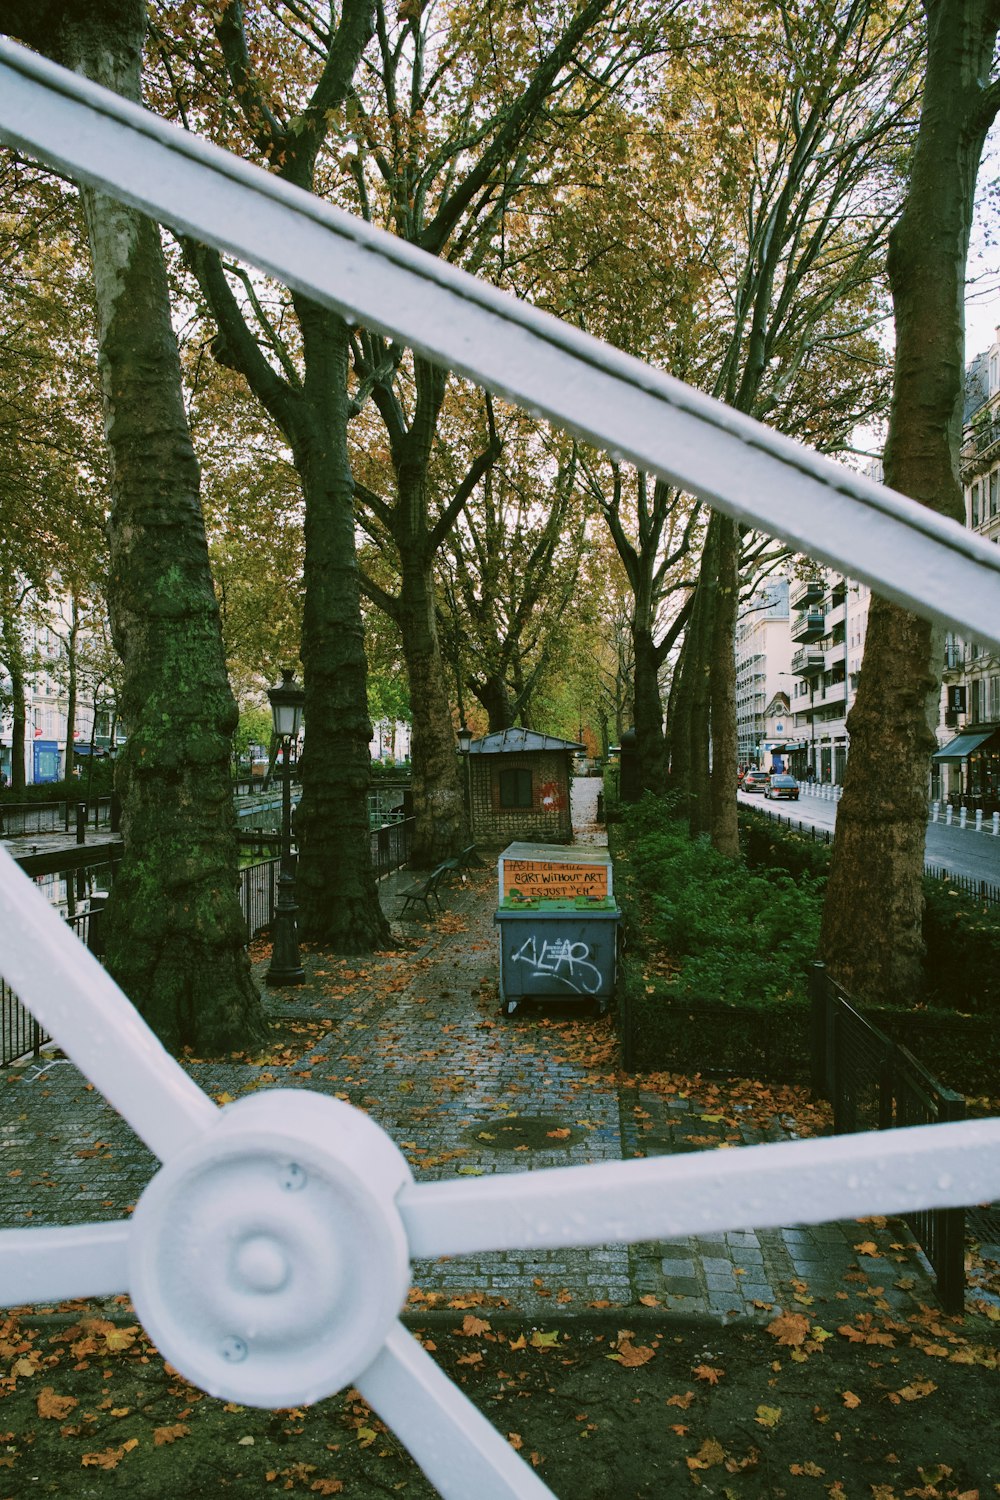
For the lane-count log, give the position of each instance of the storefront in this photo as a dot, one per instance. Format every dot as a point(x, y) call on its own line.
point(971, 762)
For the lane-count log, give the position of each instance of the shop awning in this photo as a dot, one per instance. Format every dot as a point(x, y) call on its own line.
point(962, 746)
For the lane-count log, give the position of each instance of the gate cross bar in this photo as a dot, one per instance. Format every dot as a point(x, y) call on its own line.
point(905, 551)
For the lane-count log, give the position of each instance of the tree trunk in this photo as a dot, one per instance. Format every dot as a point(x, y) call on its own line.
point(72, 636)
point(441, 825)
point(698, 670)
point(337, 890)
point(871, 936)
point(650, 745)
point(175, 933)
point(723, 821)
point(492, 694)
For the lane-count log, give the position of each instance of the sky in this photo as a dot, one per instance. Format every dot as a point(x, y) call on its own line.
point(982, 303)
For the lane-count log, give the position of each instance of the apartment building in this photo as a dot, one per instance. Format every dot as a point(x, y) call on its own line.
point(966, 766)
point(829, 619)
point(763, 674)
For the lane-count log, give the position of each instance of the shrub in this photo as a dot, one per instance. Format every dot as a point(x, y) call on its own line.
point(734, 934)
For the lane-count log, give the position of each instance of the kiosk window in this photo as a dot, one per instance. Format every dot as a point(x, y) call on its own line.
point(515, 789)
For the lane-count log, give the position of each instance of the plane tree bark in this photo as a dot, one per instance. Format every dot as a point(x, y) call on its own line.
point(302, 383)
point(871, 933)
point(175, 934)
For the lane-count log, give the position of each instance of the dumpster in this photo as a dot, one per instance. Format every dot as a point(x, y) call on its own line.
point(558, 924)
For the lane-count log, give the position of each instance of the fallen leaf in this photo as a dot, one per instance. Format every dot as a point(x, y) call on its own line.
point(711, 1373)
point(809, 1468)
point(768, 1416)
point(541, 1340)
point(51, 1405)
point(515, 1440)
point(365, 1436)
point(789, 1328)
point(869, 1247)
point(472, 1327)
point(109, 1458)
point(850, 1400)
point(169, 1434)
point(631, 1355)
point(917, 1391)
point(327, 1486)
point(682, 1401)
point(709, 1454)
point(558, 1135)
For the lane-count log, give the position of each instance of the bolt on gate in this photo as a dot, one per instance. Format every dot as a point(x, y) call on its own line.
point(294, 1204)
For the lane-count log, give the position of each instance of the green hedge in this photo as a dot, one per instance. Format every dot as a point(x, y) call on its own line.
point(961, 934)
point(740, 939)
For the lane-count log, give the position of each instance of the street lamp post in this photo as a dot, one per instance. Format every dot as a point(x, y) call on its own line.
point(286, 699)
point(464, 747)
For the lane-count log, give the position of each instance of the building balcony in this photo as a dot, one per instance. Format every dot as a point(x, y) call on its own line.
point(810, 591)
point(808, 625)
point(807, 662)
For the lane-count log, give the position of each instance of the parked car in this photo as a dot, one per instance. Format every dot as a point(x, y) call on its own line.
point(782, 786)
point(756, 781)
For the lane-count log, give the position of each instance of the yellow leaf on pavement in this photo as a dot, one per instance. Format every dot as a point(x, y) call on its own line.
point(709, 1454)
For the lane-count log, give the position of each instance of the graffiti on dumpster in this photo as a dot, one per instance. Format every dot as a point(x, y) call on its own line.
point(563, 960)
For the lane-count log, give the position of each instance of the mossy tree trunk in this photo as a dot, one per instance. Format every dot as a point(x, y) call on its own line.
point(871, 936)
point(337, 892)
point(175, 933)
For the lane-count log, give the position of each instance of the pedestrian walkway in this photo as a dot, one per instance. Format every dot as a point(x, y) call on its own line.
point(414, 1036)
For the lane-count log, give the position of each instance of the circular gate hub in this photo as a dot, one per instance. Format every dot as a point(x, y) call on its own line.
point(268, 1260)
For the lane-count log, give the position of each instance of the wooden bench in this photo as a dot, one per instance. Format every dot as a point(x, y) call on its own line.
point(468, 858)
point(425, 891)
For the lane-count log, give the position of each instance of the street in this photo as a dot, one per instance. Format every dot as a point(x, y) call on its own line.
point(957, 851)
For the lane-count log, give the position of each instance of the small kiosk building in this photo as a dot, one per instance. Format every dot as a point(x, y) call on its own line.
point(519, 787)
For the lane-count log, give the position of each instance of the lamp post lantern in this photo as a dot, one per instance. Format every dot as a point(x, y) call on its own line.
point(286, 699)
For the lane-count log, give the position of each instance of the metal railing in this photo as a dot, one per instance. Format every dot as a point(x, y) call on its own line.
point(875, 1083)
point(20, 1034)
point(18, 819)
point(983, 891)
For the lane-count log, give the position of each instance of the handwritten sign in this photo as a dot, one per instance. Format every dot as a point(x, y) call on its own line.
point(554, 882)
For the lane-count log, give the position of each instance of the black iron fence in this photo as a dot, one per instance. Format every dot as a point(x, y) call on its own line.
point(875, 1083)
point(20, 1033)
point(18, 819)
point(983, 891)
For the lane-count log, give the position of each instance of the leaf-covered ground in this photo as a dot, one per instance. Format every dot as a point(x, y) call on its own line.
point(873, 1408)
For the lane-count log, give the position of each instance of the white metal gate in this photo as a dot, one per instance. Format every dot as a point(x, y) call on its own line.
point(269, 1255)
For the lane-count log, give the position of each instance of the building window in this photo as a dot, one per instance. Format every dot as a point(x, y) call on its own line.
point(515, 789)
point(995, 697)
point(977, 699)
point(994, 488)
point(975, 504)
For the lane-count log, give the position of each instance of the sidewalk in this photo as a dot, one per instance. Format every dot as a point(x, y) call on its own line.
point(414, 1036)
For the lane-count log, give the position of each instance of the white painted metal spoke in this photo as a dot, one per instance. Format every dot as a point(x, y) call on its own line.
point(664, 1197)
point(53, 1264)
point(78, 1002)
point(904, 550)
point(462, 1454)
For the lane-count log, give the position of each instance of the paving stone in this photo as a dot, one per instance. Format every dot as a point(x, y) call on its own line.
point(677, 1269)
point(386, 1052)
